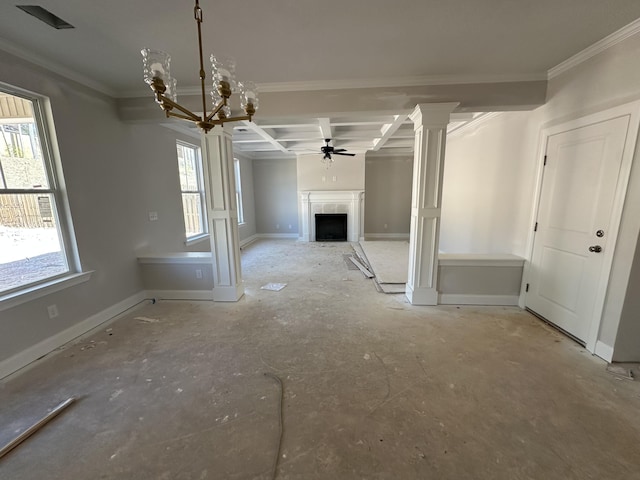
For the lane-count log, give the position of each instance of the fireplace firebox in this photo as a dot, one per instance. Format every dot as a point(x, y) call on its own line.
point(331, 227)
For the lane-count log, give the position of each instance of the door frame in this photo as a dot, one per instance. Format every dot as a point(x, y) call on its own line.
point(632, 109)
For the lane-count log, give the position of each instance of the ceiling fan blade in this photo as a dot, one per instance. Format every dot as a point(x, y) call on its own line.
point(339, 149)
point(347, 154)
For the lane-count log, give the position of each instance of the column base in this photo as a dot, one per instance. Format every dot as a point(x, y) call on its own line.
point(228, 294)
point(422, 296)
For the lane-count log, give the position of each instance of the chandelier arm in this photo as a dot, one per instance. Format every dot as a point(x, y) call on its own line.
point(229, 119)
point(179, 115)
point(172, 104)
point(216, 110)
point(198, 15)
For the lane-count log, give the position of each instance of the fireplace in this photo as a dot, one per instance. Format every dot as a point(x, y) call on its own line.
point(331, 227)
point(349, 203)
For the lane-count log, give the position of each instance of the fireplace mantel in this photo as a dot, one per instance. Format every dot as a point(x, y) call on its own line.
point(350, 202)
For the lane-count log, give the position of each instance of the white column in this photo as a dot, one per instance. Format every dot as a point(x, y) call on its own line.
point(430, 125)
point(222, 214)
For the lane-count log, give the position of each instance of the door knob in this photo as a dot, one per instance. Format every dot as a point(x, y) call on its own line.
point(595, 248)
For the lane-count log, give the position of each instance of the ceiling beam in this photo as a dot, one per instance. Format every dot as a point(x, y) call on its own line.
point(388, 130)
point(259, 131)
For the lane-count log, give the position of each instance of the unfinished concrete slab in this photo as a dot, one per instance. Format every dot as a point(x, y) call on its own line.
point(374, 388)
point(388, 259)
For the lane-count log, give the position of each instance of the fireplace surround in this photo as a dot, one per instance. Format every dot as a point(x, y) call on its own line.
point(349, 202)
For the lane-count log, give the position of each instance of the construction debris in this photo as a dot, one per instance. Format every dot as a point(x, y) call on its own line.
point(362, 268)
point(620, 371)
point(35, 427)
point(274, 287)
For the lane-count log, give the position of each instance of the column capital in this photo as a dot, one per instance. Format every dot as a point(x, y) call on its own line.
point(432, 114)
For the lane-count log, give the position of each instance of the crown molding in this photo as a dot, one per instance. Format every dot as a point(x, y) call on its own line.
point(414, 81)
point(476, 122)
point(600, 46)
point(65, 72)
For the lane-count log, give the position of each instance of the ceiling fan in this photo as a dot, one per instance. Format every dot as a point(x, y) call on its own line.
point(328, 150)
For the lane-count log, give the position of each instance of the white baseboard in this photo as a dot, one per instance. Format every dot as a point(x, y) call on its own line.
point(276, 235)
point(386, 236)
point(461, 299)
point(248, 241)
point(604, 351)
point(48, 345)
point(180, 294)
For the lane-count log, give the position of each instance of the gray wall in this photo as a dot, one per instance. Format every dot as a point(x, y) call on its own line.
point(345, 173)
point(276, 196)
point(248, 229)
point(115, 174)
point(387, 195)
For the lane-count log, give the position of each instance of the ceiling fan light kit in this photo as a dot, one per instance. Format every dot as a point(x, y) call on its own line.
point(328, 150)
point(157, 74)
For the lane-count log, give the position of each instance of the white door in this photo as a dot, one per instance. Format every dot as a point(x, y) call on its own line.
point(576, 203)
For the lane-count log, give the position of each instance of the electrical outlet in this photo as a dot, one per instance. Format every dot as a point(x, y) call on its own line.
point(277, 226)
point(385, 226)
point(52, 310)
point(335, 178)
point(324, 178)
point(153, 216)
point(198, 274)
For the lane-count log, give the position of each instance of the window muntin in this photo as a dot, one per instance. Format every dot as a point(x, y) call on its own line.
point(32, 228)
point(192, 188)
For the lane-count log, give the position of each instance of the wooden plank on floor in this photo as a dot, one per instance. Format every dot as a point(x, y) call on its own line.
point(362, 268)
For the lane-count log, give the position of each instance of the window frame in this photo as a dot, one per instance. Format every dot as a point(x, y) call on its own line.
point(201, 193)
point(238, 188)
point(52, 166)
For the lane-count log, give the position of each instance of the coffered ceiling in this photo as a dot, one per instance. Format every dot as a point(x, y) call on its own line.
point(290, 47)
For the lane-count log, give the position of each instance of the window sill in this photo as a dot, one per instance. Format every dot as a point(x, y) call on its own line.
point(46, 288)
point(195, 240)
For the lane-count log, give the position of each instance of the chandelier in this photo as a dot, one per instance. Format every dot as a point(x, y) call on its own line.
point(157, 75)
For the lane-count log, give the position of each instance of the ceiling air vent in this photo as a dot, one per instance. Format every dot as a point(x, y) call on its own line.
point(45, 16)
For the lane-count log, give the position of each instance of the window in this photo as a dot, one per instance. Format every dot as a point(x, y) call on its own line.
point(192, 187)
point(236, 166)
point(34, 233)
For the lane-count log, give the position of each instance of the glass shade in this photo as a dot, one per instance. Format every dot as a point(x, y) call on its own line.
point(156, 64)
point(172, 89)
point(223, 69)
point(215, 96)
point(248, 95)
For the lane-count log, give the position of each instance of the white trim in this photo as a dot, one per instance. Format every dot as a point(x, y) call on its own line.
point(180, 294)
point(476, 122)
point(414, 81)
point(479, 260)
point(631, 109)
point(176, 257)
point(462, 299)
point(67, 73)
point(604, 351)
point(42, 289)
point(196, 239)
point(249, 240)
point(276, 235)
point(386, 236)
point(600, 46)
point(46, 346)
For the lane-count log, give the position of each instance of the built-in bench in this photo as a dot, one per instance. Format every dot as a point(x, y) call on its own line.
point(177, 276)
point(479, 279)
point(463, 279)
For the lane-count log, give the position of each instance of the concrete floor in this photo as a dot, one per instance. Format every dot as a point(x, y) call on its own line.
point(374, 388)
